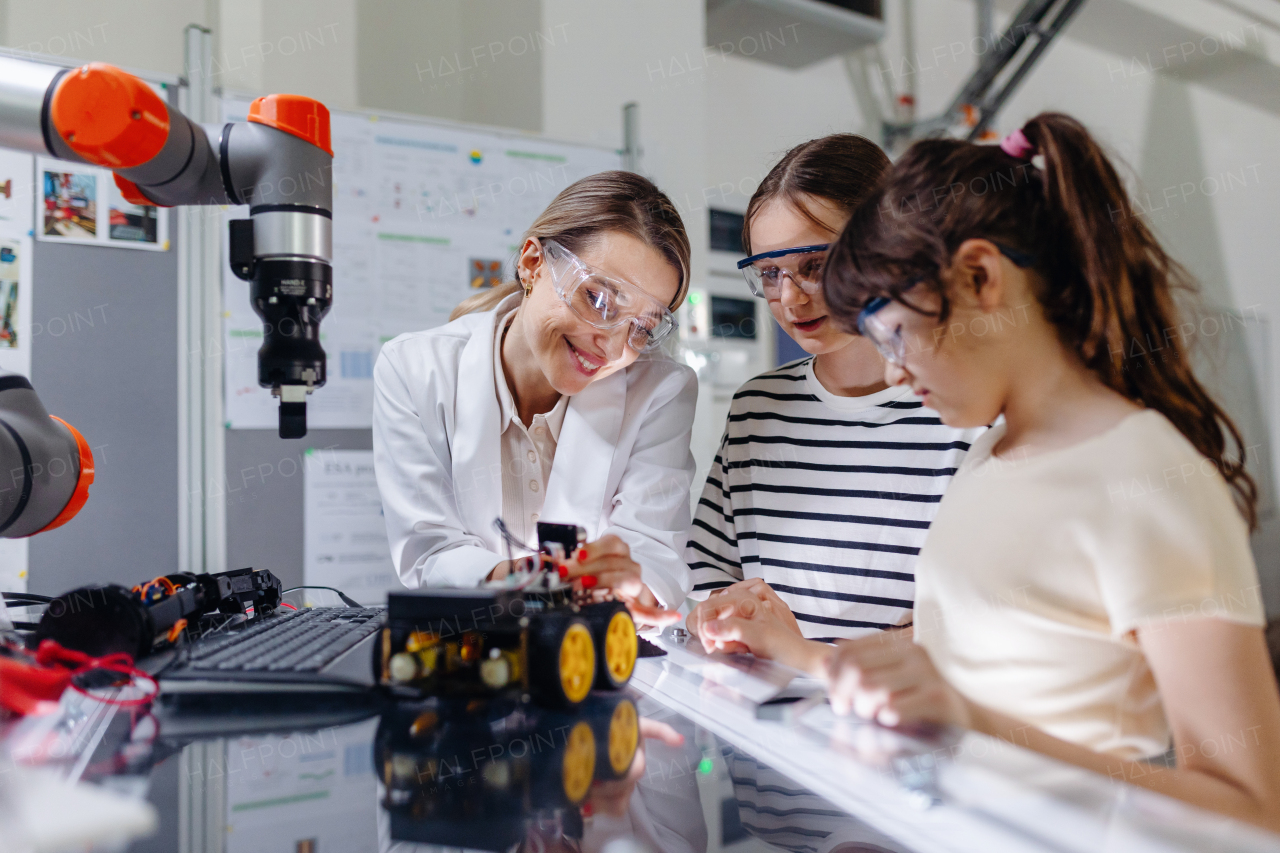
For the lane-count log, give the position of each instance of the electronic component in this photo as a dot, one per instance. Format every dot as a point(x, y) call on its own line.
point(532, 633)
point(103, 619)
point(560, 541)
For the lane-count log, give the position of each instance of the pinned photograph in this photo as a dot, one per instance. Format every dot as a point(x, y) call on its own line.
point(8, 314)
point(136, 226)
point(136, 223)
point(15, 304)
point(69, 205)
point(485, 272)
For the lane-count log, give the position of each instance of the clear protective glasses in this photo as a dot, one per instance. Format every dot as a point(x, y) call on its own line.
point(802, 264)
point(606, 302)
point(889, 341)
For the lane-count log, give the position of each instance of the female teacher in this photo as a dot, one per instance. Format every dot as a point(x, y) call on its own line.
point(549, 398)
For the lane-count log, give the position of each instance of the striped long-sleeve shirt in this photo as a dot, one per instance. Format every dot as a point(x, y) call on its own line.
point(826, 498)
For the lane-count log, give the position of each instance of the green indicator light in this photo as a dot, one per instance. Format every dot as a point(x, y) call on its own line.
point(695, 298)
point(704, 766)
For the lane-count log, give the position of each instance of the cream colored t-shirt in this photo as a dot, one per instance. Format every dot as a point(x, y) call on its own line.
point(1038, 569)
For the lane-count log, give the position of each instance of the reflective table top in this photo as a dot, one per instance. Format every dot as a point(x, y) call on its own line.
point(678, 762)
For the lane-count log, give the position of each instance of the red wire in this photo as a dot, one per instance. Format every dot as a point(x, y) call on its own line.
point(50, 653)
point(288, 605)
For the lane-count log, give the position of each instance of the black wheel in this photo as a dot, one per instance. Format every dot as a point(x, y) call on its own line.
point(562, 659)
point(614, 632)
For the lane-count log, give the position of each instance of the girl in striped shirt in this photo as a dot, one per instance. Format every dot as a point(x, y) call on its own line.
point(826, 480)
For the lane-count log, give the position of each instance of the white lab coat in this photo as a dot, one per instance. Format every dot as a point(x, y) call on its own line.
point(622, 462)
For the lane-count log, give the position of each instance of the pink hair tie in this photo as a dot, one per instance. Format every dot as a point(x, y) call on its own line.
point(1017, 145)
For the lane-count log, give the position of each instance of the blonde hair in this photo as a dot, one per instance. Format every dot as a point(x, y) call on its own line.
point(608, 201)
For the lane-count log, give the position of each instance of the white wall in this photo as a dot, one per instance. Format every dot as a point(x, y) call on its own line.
point(303, 47)
point(469, 60)
point(131, 34)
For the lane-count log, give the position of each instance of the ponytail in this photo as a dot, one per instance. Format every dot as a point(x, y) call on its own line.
point(1109, 285)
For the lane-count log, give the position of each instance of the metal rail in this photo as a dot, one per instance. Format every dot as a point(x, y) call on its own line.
point(975, 106)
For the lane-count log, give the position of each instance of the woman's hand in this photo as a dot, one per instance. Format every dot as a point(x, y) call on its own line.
point(606, 564)
point(886, 677)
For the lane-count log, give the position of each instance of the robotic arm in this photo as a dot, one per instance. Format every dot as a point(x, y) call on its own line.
point(279, 162)
point(47, 464)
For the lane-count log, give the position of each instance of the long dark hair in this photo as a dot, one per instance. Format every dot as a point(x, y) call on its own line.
point(842, 168)
point(1108, 282)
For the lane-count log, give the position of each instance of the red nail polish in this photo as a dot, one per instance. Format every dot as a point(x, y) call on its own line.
point(589, 581)
point(581, 556)
point(563, 570)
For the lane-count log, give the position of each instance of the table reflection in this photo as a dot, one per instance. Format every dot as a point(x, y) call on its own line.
point(621, 773)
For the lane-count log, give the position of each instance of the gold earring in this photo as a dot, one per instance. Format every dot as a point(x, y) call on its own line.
point(527, 287)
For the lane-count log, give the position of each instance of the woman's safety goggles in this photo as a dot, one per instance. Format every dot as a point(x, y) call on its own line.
point(802, 264)
point(606, 302)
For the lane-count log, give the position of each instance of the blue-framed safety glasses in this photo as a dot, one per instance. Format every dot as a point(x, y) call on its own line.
point(889, 342)
point(802, 264)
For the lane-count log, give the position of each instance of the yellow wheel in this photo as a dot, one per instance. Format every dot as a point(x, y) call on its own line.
point(620, 647)
point(579, 763)
point(577, 662)
point(624, 735)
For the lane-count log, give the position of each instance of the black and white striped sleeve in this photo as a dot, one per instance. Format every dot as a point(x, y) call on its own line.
point(712, 552)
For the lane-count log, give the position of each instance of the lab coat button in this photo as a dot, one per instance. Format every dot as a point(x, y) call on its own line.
point(533, 485)
point(533, 457)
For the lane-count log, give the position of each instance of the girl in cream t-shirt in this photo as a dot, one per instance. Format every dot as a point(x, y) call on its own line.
point(1040, 569)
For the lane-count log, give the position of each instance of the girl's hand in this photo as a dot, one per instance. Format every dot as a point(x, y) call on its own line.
point(747, 623)
point(725, 602)
point(606, 564)
point(888, 678)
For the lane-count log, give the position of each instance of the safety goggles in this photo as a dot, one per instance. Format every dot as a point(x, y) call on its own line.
point(889, 341)
point(802, 264)
point(606, 302)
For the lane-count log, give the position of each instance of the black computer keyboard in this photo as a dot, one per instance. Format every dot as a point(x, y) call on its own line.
point(302, 641)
